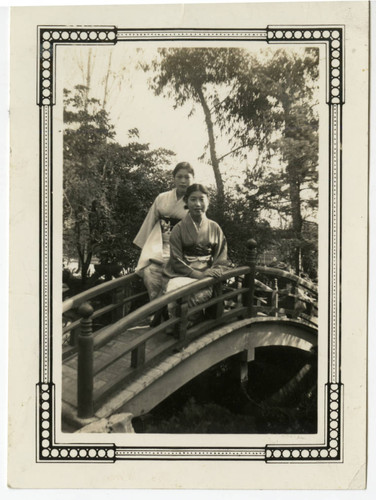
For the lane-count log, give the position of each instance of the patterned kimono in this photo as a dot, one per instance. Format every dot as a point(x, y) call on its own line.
point(192, 248)
point(153, 238)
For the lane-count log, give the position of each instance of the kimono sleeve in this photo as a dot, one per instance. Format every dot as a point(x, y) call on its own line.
point(176, 263)
point(148, 224)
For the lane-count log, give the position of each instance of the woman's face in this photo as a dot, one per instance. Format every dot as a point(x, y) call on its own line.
point(197, 203)
point(182, 180)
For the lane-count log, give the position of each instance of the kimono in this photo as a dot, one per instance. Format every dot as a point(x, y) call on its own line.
point(153, 238)
point(194, 248)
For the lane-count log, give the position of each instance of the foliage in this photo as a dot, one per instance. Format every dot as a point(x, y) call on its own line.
point(239, 219)
point(85, 135)
point(202, 418)
point(272, 108)
point(264, 107)
point(108, 188)
point(197, 76)
point(137, 178)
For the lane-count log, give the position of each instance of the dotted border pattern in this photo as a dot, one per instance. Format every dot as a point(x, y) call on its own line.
point(45, 220)
point(334, 327)
point(330, 451)
point(332, 37)
point(49, 451)
point(191, 454)
point(191, 34)
point(49, 38)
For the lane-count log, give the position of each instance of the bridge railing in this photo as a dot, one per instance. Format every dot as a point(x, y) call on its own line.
point(111, 301)
point(280, 293)
point(232, 297)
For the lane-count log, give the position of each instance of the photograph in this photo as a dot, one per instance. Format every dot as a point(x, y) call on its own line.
point(163, 330)
point(189, 246)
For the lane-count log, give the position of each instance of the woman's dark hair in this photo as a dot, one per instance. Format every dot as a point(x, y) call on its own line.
point(183, 165)
point(195, 187)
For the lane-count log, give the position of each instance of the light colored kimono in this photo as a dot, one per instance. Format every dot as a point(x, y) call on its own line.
point(194, 248)
point(153, 238)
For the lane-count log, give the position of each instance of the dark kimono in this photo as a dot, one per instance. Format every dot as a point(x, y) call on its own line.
point(194, 247)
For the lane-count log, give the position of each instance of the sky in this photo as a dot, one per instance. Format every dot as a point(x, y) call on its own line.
point(131, 103)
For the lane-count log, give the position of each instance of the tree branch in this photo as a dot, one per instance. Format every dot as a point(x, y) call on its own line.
point(234, 150)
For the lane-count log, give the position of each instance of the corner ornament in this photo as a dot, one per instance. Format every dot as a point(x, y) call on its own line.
point(50, 38)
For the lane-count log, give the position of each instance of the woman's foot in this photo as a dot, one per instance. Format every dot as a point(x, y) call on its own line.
point(158, 317)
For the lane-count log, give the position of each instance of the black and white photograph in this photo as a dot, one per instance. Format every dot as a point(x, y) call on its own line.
point(192, 183)
point(195, 282)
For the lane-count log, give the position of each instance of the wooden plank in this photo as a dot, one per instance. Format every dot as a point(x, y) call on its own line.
point(69, 385)
point(121, 350)
point(117, 375)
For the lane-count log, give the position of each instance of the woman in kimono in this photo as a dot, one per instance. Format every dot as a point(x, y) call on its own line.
point(154, 234)
point(198, 248)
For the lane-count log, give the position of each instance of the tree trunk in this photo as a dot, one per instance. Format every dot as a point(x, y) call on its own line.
point(213, 153)
point(105, 93)
point(297, 221)
point(88, 80)
point(292, 172)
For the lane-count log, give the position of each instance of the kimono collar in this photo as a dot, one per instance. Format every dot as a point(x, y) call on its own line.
point(176, 195)
point(199, 225)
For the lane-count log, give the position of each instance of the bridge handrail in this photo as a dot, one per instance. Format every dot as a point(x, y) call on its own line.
point(109, 332)
point(101, 289)
point(279, 273)
point(241, 306)
point(87, 342)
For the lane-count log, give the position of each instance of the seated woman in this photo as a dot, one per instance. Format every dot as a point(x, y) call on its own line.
point(198, 248)
point(154, 234)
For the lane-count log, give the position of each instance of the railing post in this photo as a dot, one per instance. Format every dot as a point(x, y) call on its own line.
point(182, 311)
point(275, 298)
point(138, 356)
point(249, 279)
point(219, 308)
point(117, 297)
point(85, 405)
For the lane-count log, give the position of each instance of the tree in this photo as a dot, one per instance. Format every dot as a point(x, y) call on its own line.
point(198, 76)
point(86, 134)
point(264, 107)
point(107, 187)
point(272, 107)
point(135, 176)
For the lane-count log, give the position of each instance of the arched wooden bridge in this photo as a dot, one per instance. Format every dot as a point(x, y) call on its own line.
point(114, 362)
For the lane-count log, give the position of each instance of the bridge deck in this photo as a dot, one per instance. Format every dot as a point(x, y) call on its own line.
point(109, 379)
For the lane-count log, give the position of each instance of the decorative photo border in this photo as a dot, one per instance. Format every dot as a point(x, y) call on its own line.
point(47, 449)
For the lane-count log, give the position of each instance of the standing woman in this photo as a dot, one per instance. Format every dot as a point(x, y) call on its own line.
point(198, 247)
point(154, 234)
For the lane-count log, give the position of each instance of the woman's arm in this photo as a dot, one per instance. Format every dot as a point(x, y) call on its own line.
point(177, 262)
point(148, 224)
point(220, 262)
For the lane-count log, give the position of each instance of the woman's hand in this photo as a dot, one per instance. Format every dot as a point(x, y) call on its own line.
point(197, 275)
point(213, 272)
point(209, 273)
